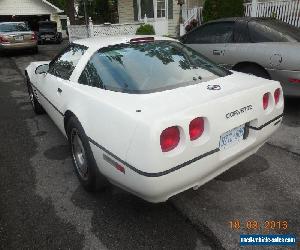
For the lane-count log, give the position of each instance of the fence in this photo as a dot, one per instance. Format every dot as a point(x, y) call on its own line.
point(83, 31)
point(188, 14)
point(287, 11)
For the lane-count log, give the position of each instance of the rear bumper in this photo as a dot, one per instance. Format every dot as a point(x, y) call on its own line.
point(289, 89)
point(158, 187)
point(18, 46)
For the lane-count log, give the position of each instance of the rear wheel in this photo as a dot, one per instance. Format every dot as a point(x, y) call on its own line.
point(254, 70)
point(36, 106)
point(83, 159)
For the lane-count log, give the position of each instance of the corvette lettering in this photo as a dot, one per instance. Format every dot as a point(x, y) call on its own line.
point(239, 111)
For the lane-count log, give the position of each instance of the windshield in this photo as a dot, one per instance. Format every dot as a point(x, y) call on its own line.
point(274, 31)
point(148, 67)
point(12, 27)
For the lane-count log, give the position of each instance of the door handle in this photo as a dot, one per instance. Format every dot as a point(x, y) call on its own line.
point(59, 90)
point(217, 52)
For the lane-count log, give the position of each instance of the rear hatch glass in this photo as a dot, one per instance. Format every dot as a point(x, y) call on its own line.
point(148, 67)
point(13, 27)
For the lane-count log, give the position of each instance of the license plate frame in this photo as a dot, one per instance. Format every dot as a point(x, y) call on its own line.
point(19, 38)
point(232, 137)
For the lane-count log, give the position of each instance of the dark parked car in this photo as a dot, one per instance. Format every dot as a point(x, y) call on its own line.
point(48, 32)
point(263, 47)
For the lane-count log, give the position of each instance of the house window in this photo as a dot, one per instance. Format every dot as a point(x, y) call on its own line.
point(147, 8)
point(161, 8)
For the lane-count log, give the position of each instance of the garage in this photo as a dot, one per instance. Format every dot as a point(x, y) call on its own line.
point(30, 11)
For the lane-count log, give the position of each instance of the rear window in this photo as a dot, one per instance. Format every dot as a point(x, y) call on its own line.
point(148, 67)
point(273, 31)
point(48, 25)
point(12, 27)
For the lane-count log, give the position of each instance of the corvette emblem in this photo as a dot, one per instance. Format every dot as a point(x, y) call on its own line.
point(214, 87)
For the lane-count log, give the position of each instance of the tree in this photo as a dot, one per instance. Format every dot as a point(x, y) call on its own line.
point(68, 7)
point(100, 11)
point(214, 9)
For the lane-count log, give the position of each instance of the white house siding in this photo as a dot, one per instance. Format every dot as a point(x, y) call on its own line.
point(173, 24)
point(125, 10)
point(25, 7)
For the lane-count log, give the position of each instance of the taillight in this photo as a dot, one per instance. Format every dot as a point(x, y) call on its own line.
point(169, 139)
point(3, 39)
point(196, 128)
point(34, 36)
point(294, 80)
point(277, 95)
point(266, 101)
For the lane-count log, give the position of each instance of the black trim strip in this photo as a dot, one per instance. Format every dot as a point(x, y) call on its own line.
point(158, 174)
point(48, 100)
point(266, 124)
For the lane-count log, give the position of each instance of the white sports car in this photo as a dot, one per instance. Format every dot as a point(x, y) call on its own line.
point(151, 115)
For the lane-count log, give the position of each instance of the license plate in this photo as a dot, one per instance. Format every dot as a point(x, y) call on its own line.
point(19, 38)
point(232, 137)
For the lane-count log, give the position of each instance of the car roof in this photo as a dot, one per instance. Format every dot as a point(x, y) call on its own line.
point(105, 41)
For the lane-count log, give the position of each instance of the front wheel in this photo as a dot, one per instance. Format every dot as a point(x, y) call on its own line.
point(36, 106)
point(83, 159)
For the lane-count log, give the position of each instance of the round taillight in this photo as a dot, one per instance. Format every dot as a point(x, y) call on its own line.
point(196, 128)
point(169, 139)
point(277, 95)
point(266, 101)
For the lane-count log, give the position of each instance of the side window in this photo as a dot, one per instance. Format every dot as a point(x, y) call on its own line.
point(241, 33)
point(64, 65)
point(90, 76)
point(261, 33)
point(212, 33)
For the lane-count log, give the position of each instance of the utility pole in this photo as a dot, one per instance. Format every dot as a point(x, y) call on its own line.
point(86, 19)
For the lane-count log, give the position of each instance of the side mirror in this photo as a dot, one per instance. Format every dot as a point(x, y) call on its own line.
point(42, 69)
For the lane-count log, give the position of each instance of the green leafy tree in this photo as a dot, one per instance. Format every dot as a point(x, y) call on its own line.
point(59, 3)
point(67, 6)
point(100, 11)
point(215, 9)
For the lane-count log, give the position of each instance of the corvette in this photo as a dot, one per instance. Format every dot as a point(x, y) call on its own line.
point(139, 112)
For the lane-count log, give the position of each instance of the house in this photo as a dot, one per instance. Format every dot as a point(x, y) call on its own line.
point(31, 11)
point(162, 14)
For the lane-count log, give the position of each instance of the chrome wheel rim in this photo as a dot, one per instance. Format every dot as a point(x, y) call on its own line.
point(79, 155)
point(31, 97)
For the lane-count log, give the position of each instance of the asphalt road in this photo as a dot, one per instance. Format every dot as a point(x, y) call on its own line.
point(42, 205)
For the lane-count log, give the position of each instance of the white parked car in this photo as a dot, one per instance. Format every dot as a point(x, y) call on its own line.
point(151, 115)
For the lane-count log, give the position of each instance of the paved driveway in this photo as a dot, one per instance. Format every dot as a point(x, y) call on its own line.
point(42, 205)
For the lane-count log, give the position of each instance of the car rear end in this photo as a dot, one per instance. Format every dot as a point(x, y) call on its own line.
point(194, 120)
point(17, 36)
point(287, 72)
point(48, 32)
point(187, 146)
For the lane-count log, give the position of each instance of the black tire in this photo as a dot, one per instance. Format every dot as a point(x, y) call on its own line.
point(254, 70)
point(36, 106)
point(87, 173)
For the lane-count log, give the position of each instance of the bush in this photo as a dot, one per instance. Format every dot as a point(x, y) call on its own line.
point(192, 25)
point(215, 9)
point(145, 29)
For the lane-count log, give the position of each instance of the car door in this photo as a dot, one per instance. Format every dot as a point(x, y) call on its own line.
point(53, 83)
point(211, 40)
